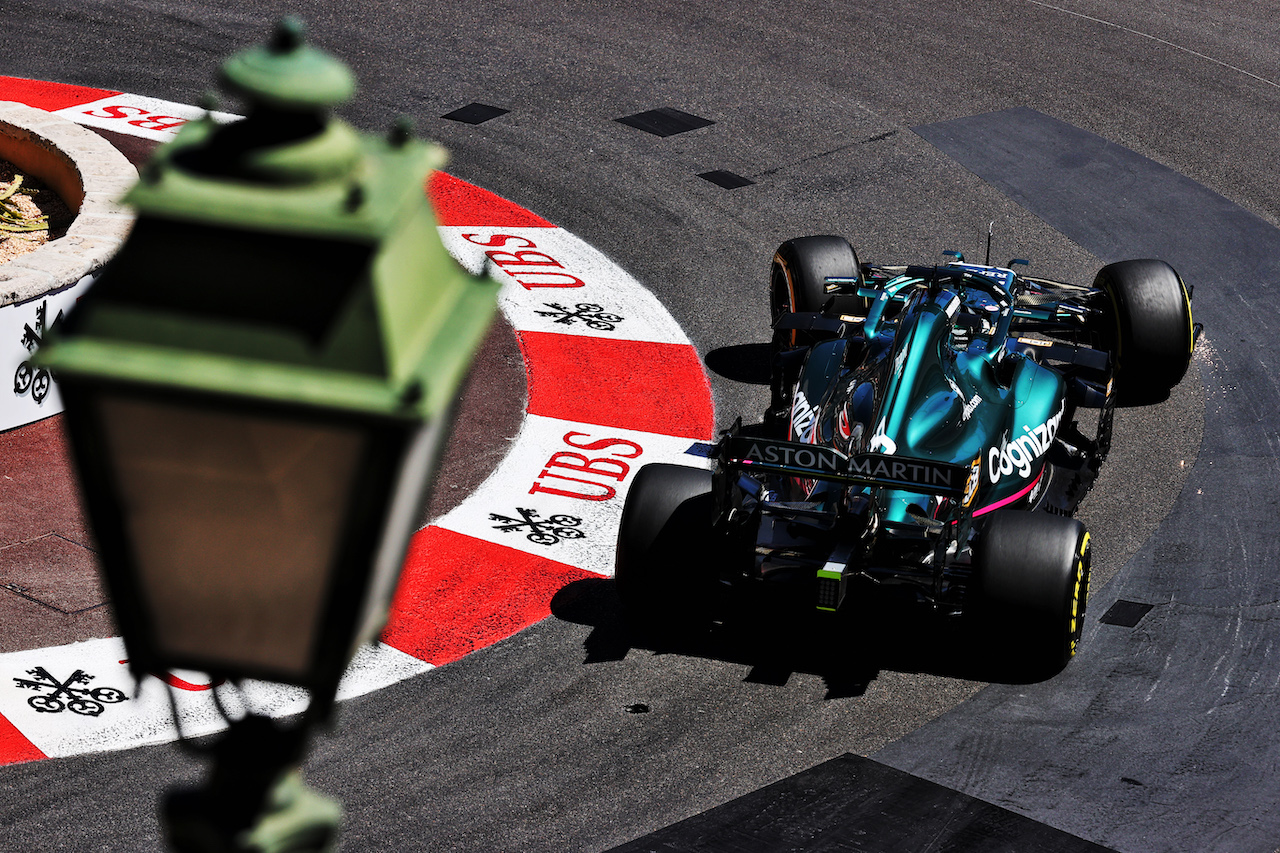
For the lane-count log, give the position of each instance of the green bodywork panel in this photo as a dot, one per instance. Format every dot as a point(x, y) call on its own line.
point(921, 389)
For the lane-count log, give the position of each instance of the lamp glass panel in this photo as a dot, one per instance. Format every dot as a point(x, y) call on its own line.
point(234, 520)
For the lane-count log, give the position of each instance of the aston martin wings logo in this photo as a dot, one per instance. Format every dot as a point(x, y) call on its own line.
point(867, 469)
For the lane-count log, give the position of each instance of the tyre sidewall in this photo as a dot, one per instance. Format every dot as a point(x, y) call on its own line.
point(1031, 580)
point(798, 277)
point(1150, 335)
point(665, 570)
point(798, 283)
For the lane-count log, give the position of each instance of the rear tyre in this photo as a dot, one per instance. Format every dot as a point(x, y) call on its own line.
point(666, 571)
point(1151, 335)
point(1032, 578)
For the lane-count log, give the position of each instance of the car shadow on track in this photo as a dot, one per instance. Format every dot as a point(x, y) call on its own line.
point(747, 363)
point(848, 652)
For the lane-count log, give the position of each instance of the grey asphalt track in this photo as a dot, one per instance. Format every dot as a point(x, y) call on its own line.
point(1195, 670)
point(1157, 738)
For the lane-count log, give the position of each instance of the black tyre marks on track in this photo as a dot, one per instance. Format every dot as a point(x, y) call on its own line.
point(1151, 739)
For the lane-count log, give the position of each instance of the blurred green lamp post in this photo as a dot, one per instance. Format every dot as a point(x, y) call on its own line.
point(256, 391)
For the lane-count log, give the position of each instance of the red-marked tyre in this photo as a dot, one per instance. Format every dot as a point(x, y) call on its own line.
point(798, 279)
point(798, 283)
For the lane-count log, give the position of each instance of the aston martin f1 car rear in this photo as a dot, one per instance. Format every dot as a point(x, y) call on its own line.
point(923, 437)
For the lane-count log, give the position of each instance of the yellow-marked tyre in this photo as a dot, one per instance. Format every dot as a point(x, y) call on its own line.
point(1031, 585)
point(1150, 331)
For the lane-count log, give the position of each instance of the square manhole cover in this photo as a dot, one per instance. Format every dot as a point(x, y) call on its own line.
point(665, 121)
point(1125, 614)
point(475, 113)
point(726, 179)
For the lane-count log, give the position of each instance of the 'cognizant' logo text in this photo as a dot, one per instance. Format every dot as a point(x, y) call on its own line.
point(1019, 453)
point(803, 417)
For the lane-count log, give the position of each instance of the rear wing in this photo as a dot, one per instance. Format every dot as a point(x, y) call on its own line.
point(812, 462)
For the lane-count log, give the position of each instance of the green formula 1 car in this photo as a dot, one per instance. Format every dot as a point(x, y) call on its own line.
point(923, 438)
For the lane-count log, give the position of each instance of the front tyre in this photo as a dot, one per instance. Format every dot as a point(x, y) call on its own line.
point(1032, 581)
point(1150, 335)
point(798, 283)
point(665, 571)
point(798, 279)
